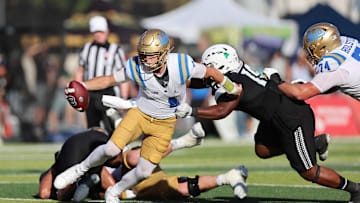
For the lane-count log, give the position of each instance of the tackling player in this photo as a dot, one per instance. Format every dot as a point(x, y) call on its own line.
point(162, 77)
point(286, 125)
point(336, 60)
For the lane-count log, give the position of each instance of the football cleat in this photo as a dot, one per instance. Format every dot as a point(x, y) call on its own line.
point(237, 179)
point(82, 191)
point(355, 197)
point(68, 177)
point(321, 143)
point(194, 137)
point(111, 196)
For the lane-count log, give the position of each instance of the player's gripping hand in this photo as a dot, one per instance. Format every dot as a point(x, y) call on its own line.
point(77, 95)
point(183, 110)
point(272, 74)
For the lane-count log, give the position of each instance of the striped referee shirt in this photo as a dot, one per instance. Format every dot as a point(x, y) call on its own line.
point(101, 60)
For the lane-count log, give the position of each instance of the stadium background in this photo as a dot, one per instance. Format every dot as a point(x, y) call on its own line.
point(40, 41)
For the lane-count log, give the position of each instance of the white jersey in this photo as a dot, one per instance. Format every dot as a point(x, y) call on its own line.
point(153, 99)
point(340, 68)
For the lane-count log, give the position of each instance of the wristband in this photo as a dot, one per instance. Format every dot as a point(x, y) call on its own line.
point(228, 85)
point(194, 112)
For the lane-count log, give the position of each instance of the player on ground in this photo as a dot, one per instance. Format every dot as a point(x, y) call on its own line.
point(162, 78)
point(286, 125)
point(80, 145)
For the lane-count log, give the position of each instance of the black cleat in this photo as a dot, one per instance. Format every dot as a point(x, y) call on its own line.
point(355, 197)
point(82, 191)
point(321, 143)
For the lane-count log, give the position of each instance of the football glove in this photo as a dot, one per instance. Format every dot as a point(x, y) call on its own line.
point(183, 110)
point(272, 74)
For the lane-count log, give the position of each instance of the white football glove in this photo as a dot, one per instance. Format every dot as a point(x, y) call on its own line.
point(298, 81)
point(183, 110)
point(267, 72)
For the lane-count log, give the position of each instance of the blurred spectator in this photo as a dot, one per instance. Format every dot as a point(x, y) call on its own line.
point(281, 63)
point(8, 122)
point(100, 58)
point(301, 69)
point(63, 121)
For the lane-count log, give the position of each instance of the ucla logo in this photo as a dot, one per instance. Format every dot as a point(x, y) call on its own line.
point(312, 36)
point(164, 39)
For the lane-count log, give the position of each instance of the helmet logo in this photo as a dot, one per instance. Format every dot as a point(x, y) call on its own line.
point(226, 55)
point(312, 36)
point(164, 39)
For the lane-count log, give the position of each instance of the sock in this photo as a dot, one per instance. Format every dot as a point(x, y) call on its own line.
point(177, 144)
point(220, 180)
point(128, 181)
point(143, 170)
point(187, 140)
point(348, 185)
point(100, 155)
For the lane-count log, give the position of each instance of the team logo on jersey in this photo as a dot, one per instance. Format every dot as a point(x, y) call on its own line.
point(312, 36)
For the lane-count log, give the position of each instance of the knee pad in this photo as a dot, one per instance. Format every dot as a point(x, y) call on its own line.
point(193, 185)
point(317, 175)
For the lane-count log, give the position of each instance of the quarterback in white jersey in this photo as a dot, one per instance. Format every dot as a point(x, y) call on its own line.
point(336, 60)
point(162, 78)
point(157, 97)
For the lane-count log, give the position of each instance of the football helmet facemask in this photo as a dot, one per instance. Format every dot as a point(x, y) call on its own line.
point(151, 43)
point(319, 40)
point(222, 57)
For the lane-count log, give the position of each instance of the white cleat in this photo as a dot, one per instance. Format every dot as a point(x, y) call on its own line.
point(111, 196)
point(195, 137)
point(237, 179)
point(68, 177)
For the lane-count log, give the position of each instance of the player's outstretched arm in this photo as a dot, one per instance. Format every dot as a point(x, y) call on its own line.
point(215, 112)
point(299, 91)
point(99, 83)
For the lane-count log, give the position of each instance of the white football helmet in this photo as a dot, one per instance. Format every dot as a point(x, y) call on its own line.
point(222, 57)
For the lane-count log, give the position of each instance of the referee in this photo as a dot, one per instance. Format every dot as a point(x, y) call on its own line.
point(99, 58)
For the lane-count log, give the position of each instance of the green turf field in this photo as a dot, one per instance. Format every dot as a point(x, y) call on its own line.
point(269, 180)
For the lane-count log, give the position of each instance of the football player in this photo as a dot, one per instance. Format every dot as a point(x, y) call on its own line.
point(335, 59)
point(80, 145)
point(286, 125)
point(162, 78)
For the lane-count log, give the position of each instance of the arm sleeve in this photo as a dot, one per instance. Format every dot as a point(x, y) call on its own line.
point(198, 70)
point(326, 80)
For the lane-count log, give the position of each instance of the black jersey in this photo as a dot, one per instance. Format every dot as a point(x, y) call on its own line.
point(260, 97)
point(77, 148)
point(284, 122)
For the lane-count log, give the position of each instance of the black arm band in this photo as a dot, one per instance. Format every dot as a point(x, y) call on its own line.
point(194, 111)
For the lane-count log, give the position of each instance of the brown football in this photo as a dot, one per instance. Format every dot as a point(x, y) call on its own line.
point(78, 96)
